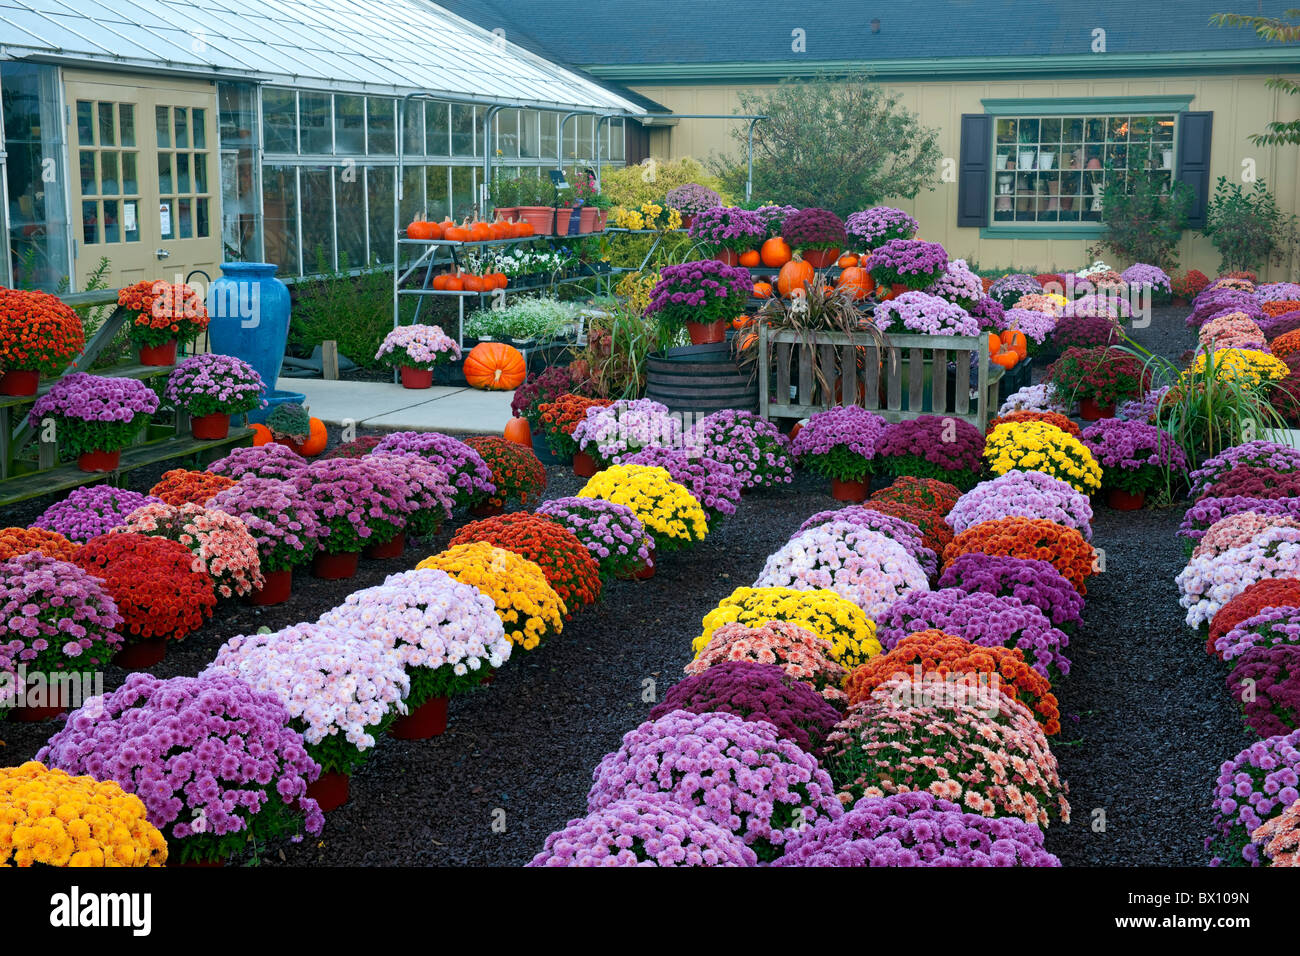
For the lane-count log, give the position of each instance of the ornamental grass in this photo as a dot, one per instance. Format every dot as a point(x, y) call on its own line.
point(1034, 538)
point(932, 652)
point(528, 606)
point(51, 818)
point(568, 566)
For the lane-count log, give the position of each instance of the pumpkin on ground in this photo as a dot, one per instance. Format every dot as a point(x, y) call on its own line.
point(261, 435)
point(494, 366)
point(317, 438)
point(517, 431)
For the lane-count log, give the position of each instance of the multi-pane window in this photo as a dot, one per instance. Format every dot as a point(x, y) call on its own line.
point(184, 171)
point(108, 159)
point(330, 160)
point(1054, 169)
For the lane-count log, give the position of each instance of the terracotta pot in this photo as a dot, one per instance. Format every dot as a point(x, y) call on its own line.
point(275, 590)
point(821, 258)
point(391, 548)
point(330, 790)
point(541, 218)
point(164, 354)
point(141, 655)
point(584, 466)
point(335, 565)
point(1090, 411)
point(648, 571)
point(210, 427)
point(730, 256)
point(687, 220)
point(417, 377)
point(427, 720)
point(710, 333)
point(486, 510)
point(854, 491)
point(99, 460)
point(33, 715)
point(587, 217)
point(562, 217)
point(19, 382)
point(1123, 501)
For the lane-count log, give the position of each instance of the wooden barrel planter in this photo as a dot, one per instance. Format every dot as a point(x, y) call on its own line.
point(700, 379)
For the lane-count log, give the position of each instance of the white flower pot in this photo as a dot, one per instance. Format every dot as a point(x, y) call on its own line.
point(1166, 159)
point(1046, 160)
point(1000, 161)
point(1025, 160)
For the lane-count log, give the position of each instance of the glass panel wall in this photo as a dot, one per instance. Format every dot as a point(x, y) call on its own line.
point(241, 201)
point(37, 215)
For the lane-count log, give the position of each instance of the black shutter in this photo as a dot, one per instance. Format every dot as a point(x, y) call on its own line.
point(1194, 162)
point(973, 174)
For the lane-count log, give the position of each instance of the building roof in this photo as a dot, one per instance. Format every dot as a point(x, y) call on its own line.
point(388, 46)
point(680, 40)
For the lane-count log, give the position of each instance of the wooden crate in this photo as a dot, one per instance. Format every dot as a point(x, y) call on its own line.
point(809, 373)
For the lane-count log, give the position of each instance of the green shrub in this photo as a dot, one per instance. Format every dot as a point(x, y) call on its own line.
point(630, 186)
point(1144, 218)
point(1248, 228)
point(355, 311)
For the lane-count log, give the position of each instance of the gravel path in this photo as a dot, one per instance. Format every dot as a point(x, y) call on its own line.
point(1146, 717)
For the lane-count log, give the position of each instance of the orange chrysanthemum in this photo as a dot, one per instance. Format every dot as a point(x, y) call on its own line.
point(180, 487)
point(935, 532)
point(1033, 538)
point(928, 494)
point(933, 651)
point(568, 566)
point(1052, 418)
point(15, 542)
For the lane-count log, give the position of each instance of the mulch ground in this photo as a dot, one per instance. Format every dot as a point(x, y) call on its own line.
point(1146, 716)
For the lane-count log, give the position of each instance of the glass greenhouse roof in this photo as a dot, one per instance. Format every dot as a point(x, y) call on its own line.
point(391, 46)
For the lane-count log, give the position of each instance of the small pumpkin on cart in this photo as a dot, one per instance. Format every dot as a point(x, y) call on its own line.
point(1008, 349)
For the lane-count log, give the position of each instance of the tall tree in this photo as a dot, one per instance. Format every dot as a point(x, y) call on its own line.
point(839, 142)
point(1274, 30)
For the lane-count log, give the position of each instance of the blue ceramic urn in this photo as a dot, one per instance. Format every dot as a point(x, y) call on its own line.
point(248, 309)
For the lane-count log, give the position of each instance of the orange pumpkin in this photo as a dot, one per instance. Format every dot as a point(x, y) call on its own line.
point(494, 366)
point(750, 257)
point(1015, 340)
point(856, 281)
point(793, 275)
point(440, 281)
point(995, 344)
point(454, 283)
point(317, 438)
point(261, 435)
point(455, 233)
point(847, 261)
point(502, 229)
point(740, 321)
point(517, 431)
point(523, 228)
point(1007, 359)
point(419, 229)
point(480, 232)
point(472, 283)
point(762, 290)
point(775, 253)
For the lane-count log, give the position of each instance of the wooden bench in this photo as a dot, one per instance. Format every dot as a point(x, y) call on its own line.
point(811, 372)
point(29, 466)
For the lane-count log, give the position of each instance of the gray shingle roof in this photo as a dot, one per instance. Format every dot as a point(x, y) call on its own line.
point(641, 32)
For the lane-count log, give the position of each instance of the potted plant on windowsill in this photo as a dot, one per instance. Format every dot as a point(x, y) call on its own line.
point(95, 417)
point(161, 315)
point(417, 350)
point(211, 388)
point(701, 297)
point(39, 335)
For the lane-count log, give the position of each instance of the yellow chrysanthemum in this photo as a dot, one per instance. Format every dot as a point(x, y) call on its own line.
point(1040, 446)
point(851, 633)
point(670, 513)
point(53, 818)
point(527, 605)
point(1244, 366)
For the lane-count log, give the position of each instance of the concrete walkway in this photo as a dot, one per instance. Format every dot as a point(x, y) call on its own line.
point(386, 405)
